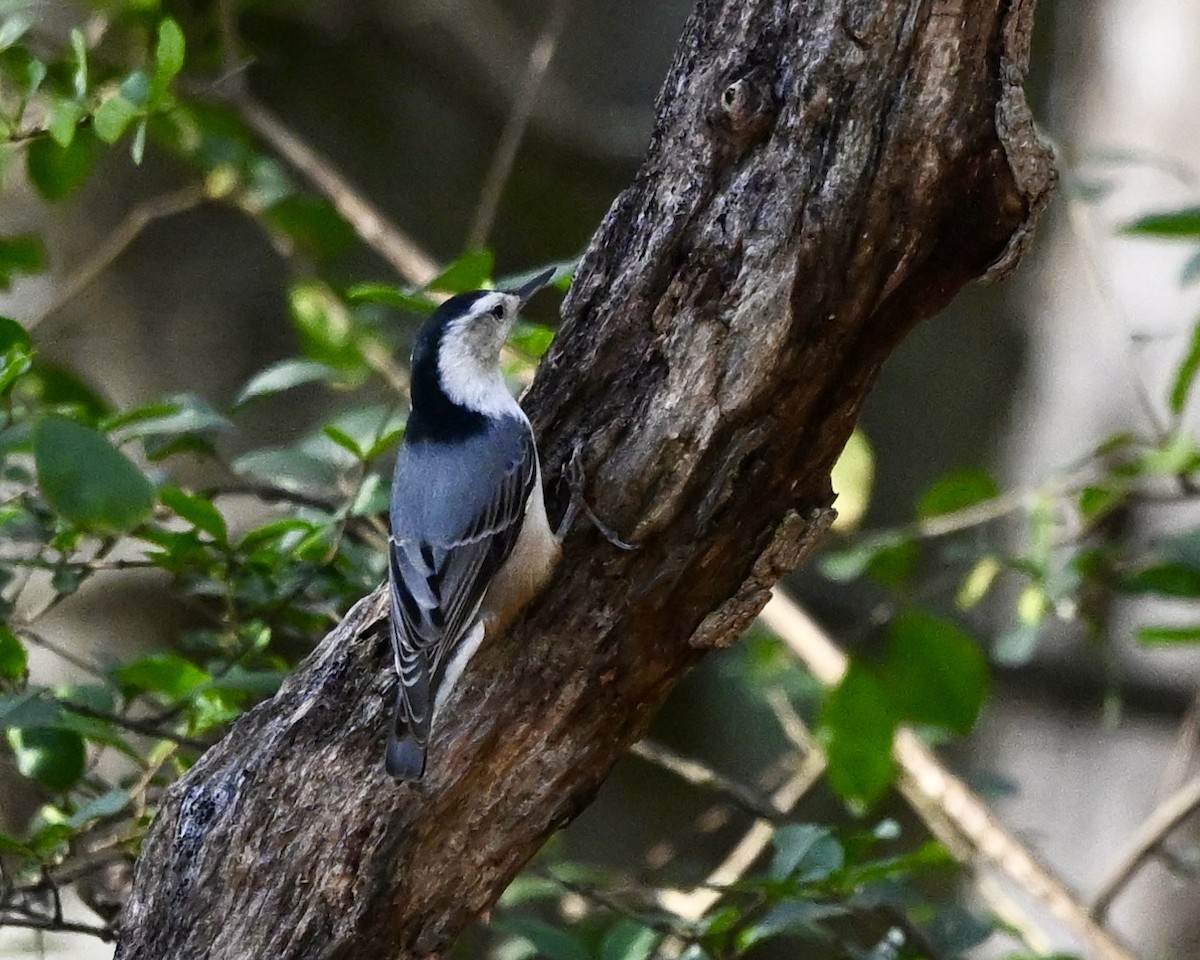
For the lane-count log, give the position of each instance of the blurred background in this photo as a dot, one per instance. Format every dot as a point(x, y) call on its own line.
point(1079, 739)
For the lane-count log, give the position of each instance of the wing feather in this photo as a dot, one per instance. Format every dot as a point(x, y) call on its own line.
point(454, 535)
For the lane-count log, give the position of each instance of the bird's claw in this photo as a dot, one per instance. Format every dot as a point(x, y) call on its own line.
point(578, 504)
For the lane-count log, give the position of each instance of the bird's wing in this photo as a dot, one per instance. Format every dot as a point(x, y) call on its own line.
point(456, 518)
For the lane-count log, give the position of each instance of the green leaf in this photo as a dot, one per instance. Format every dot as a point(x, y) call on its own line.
point(113, 116)
point(1185, 375)
point(343, 440)
point(1167, 579)
point(311, 225)
point(852, 478)
point(471, 271)
point(13, 335)
point(33, 708)
point(391, 296)
point(13, 29)
point(934, 673)
point(197, 511)
point(55, 758)
point(326, 327)
point(629, 940)
point(106, 805)
point(858, 725)
point(168, 54)
point(283, 376)
point(64, 119)
point(1168, 636)
point(550, 942)
point(88, 480)
point(798, 918)
point(13, 659)
point(13, 846)
point(22, 254)
point(288, 469)
point(957, 492)
point(531, 339)
point(978, 582)
point(165, 673)
point(80, 78)
point(843, 566)
point(1095, 503)
point(57, 171)
point(1170, 224)
point(805, 853)
point(527, 888)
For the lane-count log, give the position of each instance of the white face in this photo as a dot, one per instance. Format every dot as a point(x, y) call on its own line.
point(469, 358)
point(482, 332)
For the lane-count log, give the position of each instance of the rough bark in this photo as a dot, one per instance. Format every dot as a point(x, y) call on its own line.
point(822, 175)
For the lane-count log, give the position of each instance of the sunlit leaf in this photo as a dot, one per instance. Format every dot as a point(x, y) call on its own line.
point(978, 582)
point(852, 478)
point(165, 673)
point(113, 117)
point(531, 339)
point(168, 54)
point(64, 120)
point(87, 479)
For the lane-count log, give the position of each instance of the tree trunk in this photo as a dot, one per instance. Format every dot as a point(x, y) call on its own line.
point(822, 175)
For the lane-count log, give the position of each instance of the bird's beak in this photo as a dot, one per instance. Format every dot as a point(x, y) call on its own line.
point(524, 293)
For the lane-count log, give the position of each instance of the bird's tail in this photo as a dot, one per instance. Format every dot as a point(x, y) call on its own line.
point(405, 757)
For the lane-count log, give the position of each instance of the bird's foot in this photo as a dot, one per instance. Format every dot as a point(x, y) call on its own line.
point(578, 503)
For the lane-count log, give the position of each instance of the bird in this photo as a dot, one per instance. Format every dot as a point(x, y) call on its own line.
point(470, 542)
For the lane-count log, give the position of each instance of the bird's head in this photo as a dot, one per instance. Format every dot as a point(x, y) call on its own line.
point(459, 346)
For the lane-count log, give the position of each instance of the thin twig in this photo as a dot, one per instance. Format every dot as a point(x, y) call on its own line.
point(1165, 818)
point(57, 926)
point(950, 808)
point(540, 56)
point(693, 904)
point(373, 228)
point(144, 727)
point(118, 241)
point(700, 775)
point(1111, 308)
point(75, 660)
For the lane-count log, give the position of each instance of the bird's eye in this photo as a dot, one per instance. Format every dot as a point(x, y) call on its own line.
point(497, 311)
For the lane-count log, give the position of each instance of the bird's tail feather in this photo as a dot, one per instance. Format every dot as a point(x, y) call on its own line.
point(405, 757)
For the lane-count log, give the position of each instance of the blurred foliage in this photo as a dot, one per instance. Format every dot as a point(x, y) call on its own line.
point(90, 491)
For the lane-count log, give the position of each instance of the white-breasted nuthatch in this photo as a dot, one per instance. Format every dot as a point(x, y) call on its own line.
point(470, 542)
